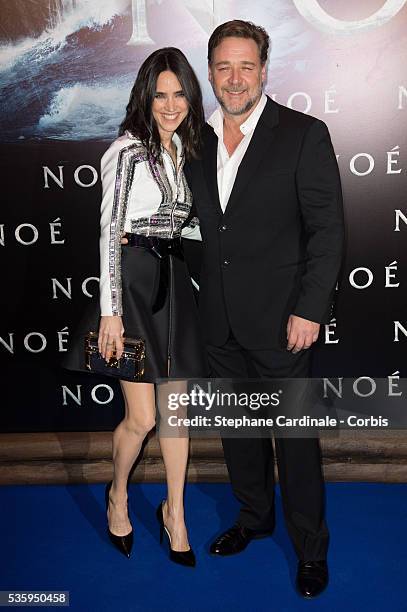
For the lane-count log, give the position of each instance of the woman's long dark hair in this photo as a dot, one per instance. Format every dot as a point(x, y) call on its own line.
point(139, 118)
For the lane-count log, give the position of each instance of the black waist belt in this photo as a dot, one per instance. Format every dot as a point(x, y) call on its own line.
point(161, 248)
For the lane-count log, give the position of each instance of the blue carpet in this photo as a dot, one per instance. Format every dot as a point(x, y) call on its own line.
point(53, 538)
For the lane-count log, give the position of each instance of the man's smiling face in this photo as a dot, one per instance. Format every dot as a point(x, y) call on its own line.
point(236, 74)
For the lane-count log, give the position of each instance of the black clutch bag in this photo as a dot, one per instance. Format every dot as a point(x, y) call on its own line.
point(130, 366)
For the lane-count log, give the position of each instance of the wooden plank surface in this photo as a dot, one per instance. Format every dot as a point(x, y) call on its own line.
point(98, 445)
point(85, 457)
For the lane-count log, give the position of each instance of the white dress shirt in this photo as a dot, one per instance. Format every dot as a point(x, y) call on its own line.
point(228, 166)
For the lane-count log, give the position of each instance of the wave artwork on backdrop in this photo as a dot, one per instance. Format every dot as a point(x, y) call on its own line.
point(67, 66)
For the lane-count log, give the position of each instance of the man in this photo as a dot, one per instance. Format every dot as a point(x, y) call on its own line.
point(268, 197)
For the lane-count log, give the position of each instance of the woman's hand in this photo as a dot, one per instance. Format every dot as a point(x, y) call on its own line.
point(110, 340)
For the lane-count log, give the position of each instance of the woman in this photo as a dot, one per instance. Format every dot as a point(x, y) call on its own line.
point(145, 289)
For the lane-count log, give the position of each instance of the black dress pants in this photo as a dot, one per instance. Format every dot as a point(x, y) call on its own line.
point(250, 462)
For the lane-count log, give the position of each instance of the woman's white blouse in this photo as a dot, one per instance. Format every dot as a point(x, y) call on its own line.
point(139, 196)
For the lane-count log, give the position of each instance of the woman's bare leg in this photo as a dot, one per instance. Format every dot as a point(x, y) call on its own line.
point(175, 456)
point(174, 442)
point(127, 440)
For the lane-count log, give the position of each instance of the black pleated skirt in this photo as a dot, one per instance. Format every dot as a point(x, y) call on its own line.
point(159, 306)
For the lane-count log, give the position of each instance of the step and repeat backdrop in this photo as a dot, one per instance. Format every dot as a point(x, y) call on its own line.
point(66, 71)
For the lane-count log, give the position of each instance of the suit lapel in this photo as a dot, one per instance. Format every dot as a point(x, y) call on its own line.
point(259, 144)
point(210, 164)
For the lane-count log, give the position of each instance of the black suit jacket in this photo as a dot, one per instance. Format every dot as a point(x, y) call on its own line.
point(277, 248)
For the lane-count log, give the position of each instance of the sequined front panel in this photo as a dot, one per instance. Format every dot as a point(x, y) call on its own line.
point(166, 222)
point(175, 204)
point(128, 158)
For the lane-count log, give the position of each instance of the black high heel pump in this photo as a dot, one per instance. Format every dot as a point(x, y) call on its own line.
point(183, 557)
point(122, 543)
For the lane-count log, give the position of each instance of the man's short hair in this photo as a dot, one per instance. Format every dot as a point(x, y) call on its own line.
point(240, 29)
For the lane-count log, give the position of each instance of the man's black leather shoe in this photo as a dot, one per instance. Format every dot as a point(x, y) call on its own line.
point(312, 578)
point(235, 539)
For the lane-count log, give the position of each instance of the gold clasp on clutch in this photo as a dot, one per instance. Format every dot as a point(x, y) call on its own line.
point(113, 362)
